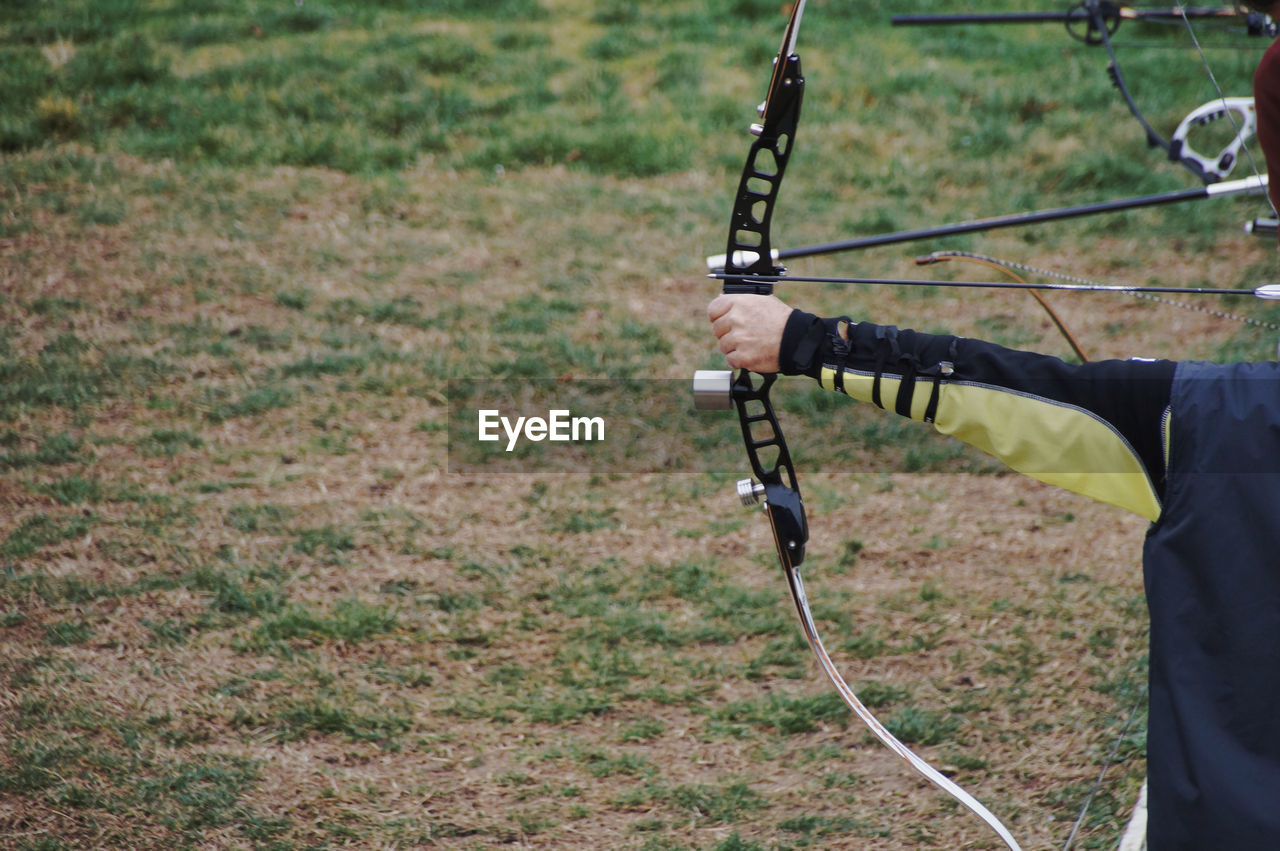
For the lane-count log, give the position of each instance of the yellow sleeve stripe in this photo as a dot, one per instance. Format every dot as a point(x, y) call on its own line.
point(1052, 442)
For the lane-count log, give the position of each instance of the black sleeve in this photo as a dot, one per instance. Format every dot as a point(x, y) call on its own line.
point(1054, 420)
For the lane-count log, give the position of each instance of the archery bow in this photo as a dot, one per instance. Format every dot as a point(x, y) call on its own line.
point(775, 486)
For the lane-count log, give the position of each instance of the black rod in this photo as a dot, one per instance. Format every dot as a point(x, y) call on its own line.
point(1248, 185)
point(1078, 13)
point(987, 18)
point(995, 222)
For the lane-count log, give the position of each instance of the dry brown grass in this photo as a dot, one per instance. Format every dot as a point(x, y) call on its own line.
point(179, 669)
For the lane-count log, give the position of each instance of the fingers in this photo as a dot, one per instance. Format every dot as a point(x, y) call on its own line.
point(719, 306)
point(748, 329)
point(728, 348)
point(729, 312)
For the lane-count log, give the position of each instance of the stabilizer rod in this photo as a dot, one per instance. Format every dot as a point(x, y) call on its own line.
point(1256, 185)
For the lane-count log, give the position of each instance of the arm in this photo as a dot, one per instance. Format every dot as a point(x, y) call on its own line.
point(1097, 429)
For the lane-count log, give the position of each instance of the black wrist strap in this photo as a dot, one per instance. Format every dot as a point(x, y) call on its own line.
point(910, 369)
point(939, 372)
point(802, 339)
point(840, 349)
point(887, 351)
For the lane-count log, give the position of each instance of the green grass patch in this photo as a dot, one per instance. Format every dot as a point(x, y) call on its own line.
point(325, 717)
point(43, 530)
point(351, 621)
point(788, 715)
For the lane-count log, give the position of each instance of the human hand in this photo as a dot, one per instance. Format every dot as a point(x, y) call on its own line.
point(749, 328)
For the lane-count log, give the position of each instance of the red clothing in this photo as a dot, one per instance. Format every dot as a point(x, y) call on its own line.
point(1266, 103)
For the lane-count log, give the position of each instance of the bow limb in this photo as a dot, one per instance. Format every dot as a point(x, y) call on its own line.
point(882, 733)
point(1100, 33)
point(781, 501)
point(752, 217)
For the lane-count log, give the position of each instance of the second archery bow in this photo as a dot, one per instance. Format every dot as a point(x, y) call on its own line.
point(1093, 22)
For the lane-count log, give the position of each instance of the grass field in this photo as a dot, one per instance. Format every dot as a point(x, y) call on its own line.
point(251, 252)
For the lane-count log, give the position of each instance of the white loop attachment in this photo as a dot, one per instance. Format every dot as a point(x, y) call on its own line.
point(1240, 112)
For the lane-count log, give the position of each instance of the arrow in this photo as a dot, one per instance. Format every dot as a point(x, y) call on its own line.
point(1269, 292)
